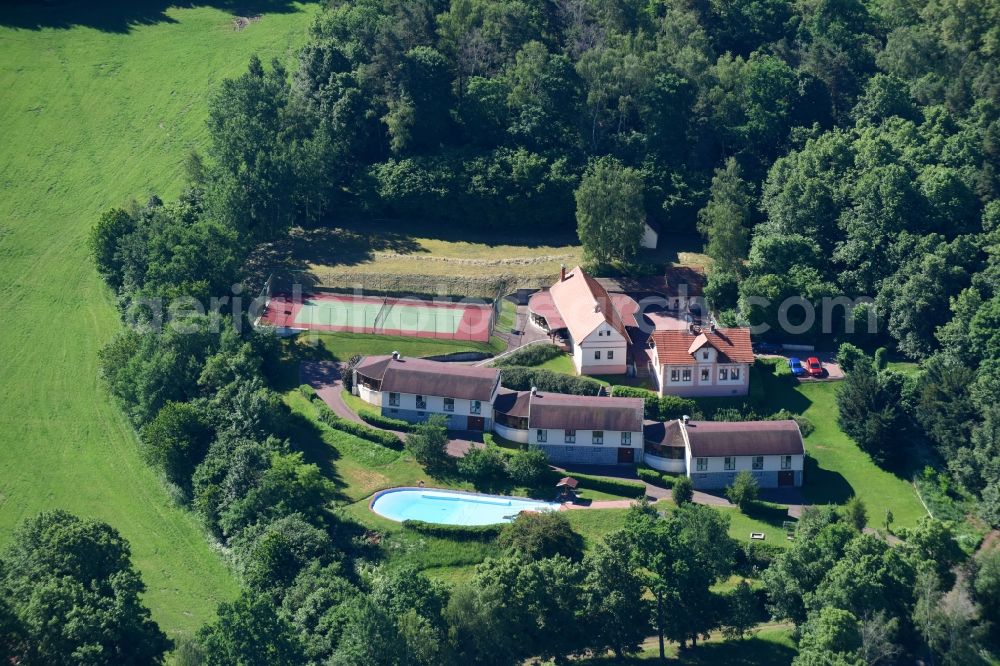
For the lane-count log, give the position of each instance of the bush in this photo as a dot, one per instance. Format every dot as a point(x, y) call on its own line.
point(754, 557)
point(744, 490)
point(379, 421)
point(655, 477)
point(308, 391)
point(528, 467)
point(625, 488)
point(428, 442)
point(455, 532)
point(485, 466)
point(380, 437)
point(529, 356)
point(659, 408)
point(683, 490)
point(519, 378)
point(539, 535)
point(805, 425)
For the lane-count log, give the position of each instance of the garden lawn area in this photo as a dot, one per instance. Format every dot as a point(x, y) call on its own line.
point(770, 644)
point(102, 102)
point(841, 469)
point(342, 346)
point(562, 363)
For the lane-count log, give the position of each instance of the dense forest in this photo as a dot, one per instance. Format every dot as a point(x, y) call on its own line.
point(822, 147)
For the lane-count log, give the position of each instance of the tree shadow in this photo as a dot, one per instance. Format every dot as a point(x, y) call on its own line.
point(748, 652)
point(123, 17)
point(824, 486)
point(307, 437)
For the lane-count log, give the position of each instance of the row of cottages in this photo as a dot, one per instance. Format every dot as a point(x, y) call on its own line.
point(594, 323)
point(696, 361)
point(575, 429)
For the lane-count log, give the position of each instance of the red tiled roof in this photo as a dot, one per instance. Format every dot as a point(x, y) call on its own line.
point(677, 347)
point(422, 377)
point(712, 439)
point(541, 303)
point(584, 305)
point(512, 403)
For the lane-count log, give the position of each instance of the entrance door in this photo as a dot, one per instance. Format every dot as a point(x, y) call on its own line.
point(476, 423)
point(786, 478)
point(626, 455)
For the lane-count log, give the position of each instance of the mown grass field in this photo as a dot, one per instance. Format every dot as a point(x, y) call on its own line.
point(99, 103)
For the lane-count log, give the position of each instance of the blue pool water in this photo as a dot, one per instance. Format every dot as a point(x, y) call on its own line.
point(452, 508)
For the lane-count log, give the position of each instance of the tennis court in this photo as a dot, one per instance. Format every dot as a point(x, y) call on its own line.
point(386, 316)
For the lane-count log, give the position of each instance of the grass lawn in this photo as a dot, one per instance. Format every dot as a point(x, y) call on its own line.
point(770, 644)
point(101, 107)
point(837, 468)
point(562, 363)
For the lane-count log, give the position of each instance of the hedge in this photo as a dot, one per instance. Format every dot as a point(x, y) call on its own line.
point(379, 421)
point(519, 378)
point(380, 437)
point(655, 477)
point(659, 408)
point(308, 391)
point(531, 355)
point(603, 484)
point(455, 532)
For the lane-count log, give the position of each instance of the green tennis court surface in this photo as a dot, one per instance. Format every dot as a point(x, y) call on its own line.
point(388, 316)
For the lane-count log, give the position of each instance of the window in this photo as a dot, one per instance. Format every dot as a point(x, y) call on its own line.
point(758, 462)
point(723, 374)
point(597, 355)
point(734, 374)
point(542, 435)
point(394, 400)
point(786, 462)
point(686, 375)
point(626, 439)
point(730, 463)
point(598, 437)
point(611, 354)
point(475, 407)
point(421, 402)
point(569, 436)
point(704, 355)
point(449, 404)
point(675, 375)
point(701, 464)
point(704, 374)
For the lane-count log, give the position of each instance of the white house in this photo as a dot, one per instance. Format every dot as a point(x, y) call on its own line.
point(412, 389)
point(594, 322)
point(696, 361)
point(650, 235)
point(578, 429)
point(715, 451)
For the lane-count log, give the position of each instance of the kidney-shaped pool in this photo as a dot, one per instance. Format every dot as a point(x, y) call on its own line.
point(448, 507)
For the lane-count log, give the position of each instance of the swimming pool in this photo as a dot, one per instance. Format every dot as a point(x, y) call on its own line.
point(448, 507)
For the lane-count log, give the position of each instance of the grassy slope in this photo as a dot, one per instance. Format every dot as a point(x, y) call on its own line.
point(90, 119)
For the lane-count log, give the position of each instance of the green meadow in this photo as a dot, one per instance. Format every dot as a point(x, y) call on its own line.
point(98, 106)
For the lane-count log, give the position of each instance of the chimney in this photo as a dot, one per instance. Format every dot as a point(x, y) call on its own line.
point(713, 327)
point(686, 419)
point(562, 273)
point(534, 390)
point(395, 356)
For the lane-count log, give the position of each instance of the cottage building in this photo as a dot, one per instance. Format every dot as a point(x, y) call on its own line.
point(593, 322)
point(590, 430)
point(412, 389)
point(696, 361)
point(716, 451)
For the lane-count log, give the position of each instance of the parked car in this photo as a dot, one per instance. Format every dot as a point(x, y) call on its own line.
point(815, 367)
point(797, 368)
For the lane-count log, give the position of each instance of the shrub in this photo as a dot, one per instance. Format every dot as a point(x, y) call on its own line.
point(881, 358)
point(849, 356)
point(743, 491)
point(623, 487)
point(528, 467)
point(535, 536)
point(529, 356)
point(683, 490)
point(428, 442)
point(805, 425)
point(754, 557)
point(308, 391)
point(455, 532)
point(380, 437)
point(519, 378)
point(659, 408)
point(655, 477)
point(485, 466)
point(379, 421)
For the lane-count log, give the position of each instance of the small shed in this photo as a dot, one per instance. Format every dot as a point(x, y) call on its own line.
point(650, 235)
point(567, 483)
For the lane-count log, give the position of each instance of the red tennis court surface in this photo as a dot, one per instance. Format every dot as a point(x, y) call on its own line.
point(382, 316)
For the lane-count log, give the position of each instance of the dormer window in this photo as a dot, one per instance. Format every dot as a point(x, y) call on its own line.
point(704, 355)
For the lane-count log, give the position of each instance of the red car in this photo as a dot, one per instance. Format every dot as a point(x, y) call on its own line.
point(814, 367)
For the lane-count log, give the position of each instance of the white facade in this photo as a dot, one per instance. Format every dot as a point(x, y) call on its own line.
point(603, 352)
point(704, 376)
point(604, 438)
point(649, 237)
point(406, 405)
